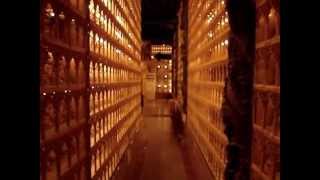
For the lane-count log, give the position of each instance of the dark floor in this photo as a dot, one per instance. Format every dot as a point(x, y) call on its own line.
point(156, 153)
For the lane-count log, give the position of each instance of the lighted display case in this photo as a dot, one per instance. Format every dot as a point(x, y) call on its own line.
point(115, 81)
point(90, 86)
point(164, 69)
point(266, 99)
point(62, 87)
point(208, 33)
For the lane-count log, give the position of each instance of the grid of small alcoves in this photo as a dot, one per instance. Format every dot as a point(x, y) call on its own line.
point(208, 59)
point(90, 86)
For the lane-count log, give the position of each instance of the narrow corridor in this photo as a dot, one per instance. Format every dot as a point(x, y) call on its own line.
point(157, 154)
point(108, 69)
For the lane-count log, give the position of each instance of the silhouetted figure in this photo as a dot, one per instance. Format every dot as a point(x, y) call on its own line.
point(176, 116)
point(142, 100)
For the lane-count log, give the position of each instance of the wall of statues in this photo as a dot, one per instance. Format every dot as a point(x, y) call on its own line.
point(90, 86)
point(266, 100)
point(207, 70)
point(208, 32)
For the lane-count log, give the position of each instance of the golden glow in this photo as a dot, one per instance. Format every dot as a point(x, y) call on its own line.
point(52, 14)
point(163, 49)
point(62, 16)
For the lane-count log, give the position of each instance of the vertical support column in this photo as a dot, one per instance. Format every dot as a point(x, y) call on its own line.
point(236, 107)
point(185, 53)
point(175, 49)
point(87, 93)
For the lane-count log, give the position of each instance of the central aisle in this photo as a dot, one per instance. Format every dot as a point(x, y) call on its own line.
point(156, 154)
point(163, 159)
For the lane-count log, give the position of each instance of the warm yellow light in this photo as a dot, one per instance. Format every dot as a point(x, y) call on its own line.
point(52, 14)
point(165, 66)
point(61, 16)
point(159, 66)
point(271, 13)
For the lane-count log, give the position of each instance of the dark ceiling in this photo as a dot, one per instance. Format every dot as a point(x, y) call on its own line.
point(159, 20)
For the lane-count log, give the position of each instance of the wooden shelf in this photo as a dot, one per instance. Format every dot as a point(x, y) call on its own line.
point(117, 64)
point(64, 134)
point(218, 61)
point(267, 43)
point(208, 83)
point(58, 45)
point(270, 136)
point(267, 88)
point(67, 89)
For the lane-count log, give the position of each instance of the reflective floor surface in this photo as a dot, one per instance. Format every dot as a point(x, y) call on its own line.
point(157, 153)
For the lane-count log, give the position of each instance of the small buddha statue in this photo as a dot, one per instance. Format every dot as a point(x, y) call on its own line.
point(62, 71)
point(73, 71)
point(51, 164)
point(48, 75)
point(268, 166)
point(62, 115)
point(73, 111)
point(48, 117)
